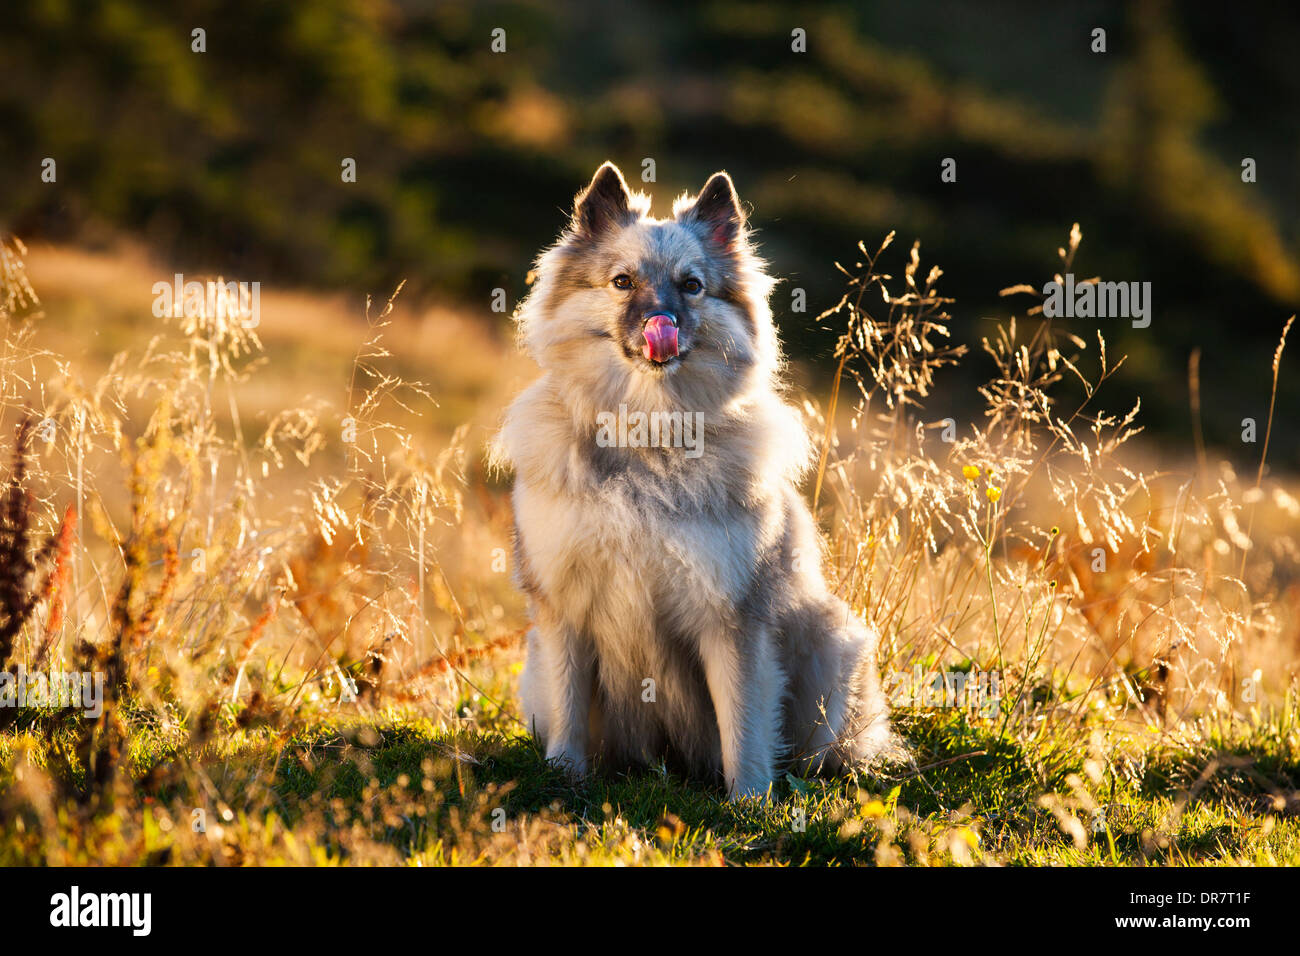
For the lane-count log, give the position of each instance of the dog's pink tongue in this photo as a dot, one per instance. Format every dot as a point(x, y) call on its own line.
point(660, 338)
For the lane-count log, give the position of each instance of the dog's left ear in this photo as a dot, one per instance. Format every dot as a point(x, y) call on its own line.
point(717, 210)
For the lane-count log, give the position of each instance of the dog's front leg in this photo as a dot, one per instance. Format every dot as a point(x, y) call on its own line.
point(570, 671)
point(746, 684)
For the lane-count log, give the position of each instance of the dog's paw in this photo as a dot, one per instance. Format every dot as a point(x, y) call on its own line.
point(755, 789)
point(573, 763)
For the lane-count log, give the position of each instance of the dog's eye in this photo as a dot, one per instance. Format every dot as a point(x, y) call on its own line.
point(622, 281)
point(693, 285)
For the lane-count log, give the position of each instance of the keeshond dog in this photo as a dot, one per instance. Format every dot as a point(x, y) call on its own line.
point(673, 570)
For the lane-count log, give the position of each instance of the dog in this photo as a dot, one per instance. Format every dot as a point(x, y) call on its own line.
point(679, 613)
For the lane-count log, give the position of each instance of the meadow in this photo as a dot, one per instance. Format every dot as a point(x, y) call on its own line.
point(282, 548)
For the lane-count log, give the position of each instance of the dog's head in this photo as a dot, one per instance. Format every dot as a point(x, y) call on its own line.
point(653, 313)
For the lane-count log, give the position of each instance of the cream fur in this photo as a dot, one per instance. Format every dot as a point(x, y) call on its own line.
point(703, 574)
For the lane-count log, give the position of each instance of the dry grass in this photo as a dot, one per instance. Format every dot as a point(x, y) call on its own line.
point(1034, 542)
point(281, 551)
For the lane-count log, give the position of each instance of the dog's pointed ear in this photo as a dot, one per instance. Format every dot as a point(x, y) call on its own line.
point(717, 209)
point(603, 204)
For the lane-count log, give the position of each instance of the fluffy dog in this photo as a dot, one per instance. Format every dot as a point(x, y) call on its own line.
point(673, 569)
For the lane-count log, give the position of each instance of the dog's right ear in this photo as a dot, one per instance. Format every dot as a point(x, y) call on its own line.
point(603, 204)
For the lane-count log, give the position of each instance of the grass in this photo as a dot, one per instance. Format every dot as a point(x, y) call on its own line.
point(400, 789)
point(284, 557)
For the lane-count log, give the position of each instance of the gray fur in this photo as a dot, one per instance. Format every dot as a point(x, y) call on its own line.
point(700, 574)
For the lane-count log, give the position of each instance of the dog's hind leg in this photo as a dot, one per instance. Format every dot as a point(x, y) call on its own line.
point(838, 713)
point(867, 734)
point(821, 658)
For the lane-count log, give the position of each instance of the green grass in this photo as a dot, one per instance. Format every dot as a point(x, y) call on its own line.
point(398, 790)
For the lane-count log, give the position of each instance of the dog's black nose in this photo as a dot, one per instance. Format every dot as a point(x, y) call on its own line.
point(667, 315)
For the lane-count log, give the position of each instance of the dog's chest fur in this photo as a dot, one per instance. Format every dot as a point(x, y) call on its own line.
point(622, 562)
point(644, 560)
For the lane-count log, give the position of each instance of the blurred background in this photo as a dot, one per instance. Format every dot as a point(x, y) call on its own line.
point(228, 161)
